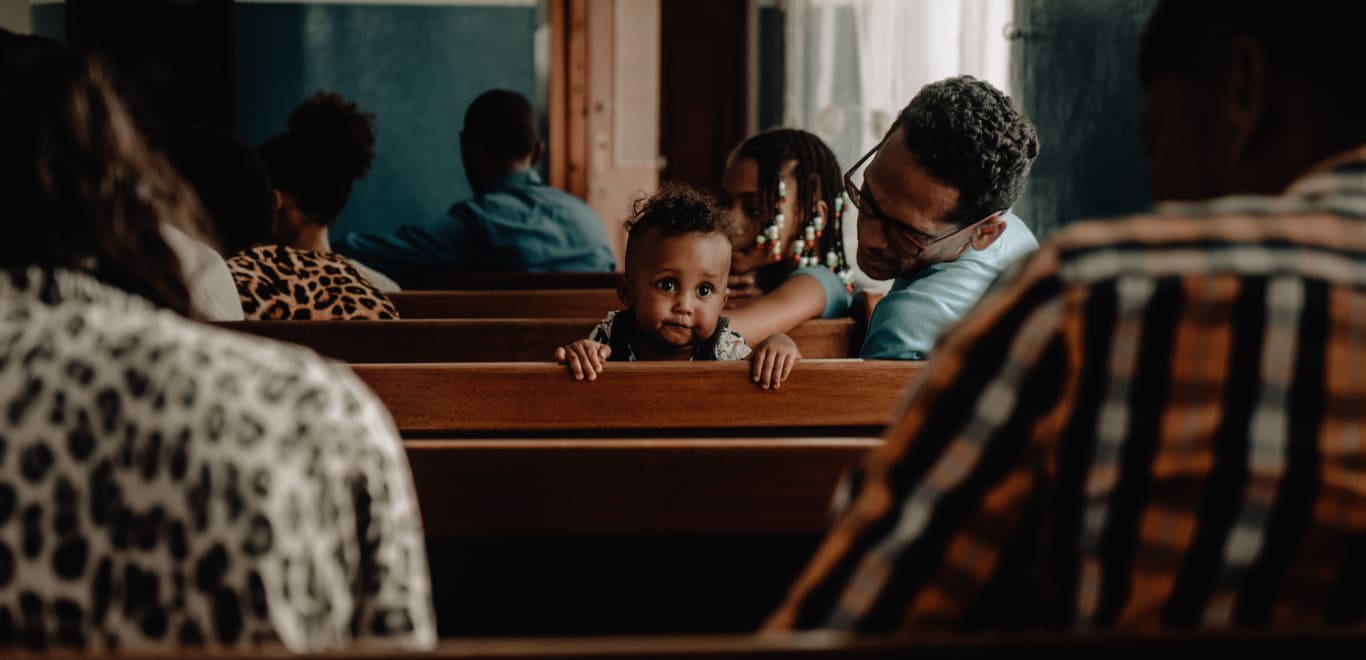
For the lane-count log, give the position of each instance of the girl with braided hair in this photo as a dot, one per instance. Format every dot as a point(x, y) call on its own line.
point(784, 191)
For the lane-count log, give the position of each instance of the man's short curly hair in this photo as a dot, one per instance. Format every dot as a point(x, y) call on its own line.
point(969, 136)
point(676, 210)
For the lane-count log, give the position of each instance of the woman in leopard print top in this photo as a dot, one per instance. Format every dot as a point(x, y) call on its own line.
point(281, 282)
point(164, 483)
point(273, 281)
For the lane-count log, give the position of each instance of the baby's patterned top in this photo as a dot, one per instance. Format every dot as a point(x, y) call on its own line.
point(724, 344)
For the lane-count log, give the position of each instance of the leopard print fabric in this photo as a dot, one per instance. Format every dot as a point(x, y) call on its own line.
point(166, 483)
point(278, 282)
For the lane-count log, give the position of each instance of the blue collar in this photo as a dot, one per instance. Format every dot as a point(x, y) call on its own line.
point(519, 179)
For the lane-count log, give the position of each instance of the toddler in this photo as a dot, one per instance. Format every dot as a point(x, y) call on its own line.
point(677, 260)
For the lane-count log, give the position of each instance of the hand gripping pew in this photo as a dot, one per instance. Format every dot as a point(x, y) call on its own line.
point(560, 507)
point(490, 340)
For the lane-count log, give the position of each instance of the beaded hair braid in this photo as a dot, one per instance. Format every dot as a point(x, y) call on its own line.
point(819, 240)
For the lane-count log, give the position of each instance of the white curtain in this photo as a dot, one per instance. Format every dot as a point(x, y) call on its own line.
point(853, 64)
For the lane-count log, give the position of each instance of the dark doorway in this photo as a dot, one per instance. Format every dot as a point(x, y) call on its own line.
point(702, 102)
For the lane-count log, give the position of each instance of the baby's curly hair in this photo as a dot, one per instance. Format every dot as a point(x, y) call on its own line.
point(968, 135)
point(678, 209)
point(675, 210)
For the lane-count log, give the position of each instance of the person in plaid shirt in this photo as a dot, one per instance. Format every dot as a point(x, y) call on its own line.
point(1158, 421)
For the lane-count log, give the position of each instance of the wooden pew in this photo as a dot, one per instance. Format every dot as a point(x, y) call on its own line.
point(628, 486)
point(560, 507)
point(504, 281)
point(518, 304)
point(1339, 642)
point(821, 397)
point(620, 535)
point(489, 340)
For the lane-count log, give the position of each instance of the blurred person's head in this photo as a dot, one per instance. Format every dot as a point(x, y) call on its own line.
point(499, 137)
point(1244, 96)
point(231, 184)
point(81, 188)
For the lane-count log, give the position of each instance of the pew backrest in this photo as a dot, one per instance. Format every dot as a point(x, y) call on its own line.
point(504, 281)
point(515, 304)
point(544, 487)
point(490, 340)
point(1309, 642)
point(820, 398)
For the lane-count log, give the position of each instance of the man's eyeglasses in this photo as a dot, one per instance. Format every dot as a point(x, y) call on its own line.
point(868, 208)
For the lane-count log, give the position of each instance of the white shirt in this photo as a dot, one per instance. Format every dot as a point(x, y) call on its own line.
point(381, 281)
point(213, 295)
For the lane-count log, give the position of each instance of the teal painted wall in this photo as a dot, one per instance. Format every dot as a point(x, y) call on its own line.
point(1075, 72)
point(416, 67)
point(49, 21)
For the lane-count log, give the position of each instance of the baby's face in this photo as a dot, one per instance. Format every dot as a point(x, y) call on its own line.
point(677, 289)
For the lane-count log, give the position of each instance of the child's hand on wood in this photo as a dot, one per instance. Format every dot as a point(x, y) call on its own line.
point(772, 360)
point(585, 358)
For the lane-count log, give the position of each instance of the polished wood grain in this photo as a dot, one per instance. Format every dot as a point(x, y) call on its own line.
point(628, 486)
point(490, 340)
point(500, 281)
point(1344, 642)
point(513, 304)
point(820, 396)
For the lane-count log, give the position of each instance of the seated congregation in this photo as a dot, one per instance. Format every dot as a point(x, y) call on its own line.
point(219, 432)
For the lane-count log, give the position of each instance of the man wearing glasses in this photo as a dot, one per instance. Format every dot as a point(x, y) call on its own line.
point(933, 214)
point(933, 210)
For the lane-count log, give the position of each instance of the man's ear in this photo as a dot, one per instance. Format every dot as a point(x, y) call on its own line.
point(624, 292)
point(536, 152)
point(987, 232)
point(1244, 93)
point(279, 200)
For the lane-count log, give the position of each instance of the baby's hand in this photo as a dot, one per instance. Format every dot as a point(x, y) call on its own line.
point(585, 358)
point(773, 359)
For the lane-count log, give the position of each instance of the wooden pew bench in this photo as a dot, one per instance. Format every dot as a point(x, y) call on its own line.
point(473, 487)
point(560, 507)
point(489, 340)
point(515, 304)
point(820, 398)
point(620, 535)
point(504, 281)
point(824, 646)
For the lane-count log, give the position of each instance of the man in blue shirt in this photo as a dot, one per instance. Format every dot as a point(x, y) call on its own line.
point(932, 217)
point(514, 222)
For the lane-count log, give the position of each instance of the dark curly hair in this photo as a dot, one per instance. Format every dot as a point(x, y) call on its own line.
point(969, 136)
point(502, 123)
point(328, 145)
point(82, 188)
point(816, 170)
point(673, 211)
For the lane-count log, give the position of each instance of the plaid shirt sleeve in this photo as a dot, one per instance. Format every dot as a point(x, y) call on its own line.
point(942, 528)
